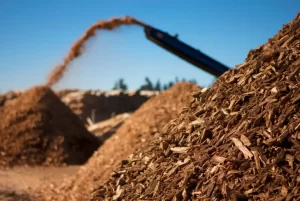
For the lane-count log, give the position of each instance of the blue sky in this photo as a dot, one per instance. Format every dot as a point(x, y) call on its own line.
point(36, 35)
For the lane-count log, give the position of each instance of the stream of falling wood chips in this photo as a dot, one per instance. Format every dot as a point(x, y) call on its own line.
point(77, 48)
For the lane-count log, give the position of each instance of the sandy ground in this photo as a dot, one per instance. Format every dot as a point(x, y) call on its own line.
point(21, 178)
point(15, 182)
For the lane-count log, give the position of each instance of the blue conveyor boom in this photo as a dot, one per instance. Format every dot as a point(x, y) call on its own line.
point(184, 51)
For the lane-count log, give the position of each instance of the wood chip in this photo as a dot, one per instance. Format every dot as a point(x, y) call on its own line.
point(218, 159)
point(245, 140)
point(256, 159)
point(242, 148)
point(179, 149)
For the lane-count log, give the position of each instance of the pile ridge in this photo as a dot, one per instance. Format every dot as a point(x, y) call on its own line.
point(141, 127)
point(238, 140)
point(39, 129)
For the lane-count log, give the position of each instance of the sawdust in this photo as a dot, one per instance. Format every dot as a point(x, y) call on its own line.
point(138, 129)
point(38, 129)
point(238, 140)
point(78, 47)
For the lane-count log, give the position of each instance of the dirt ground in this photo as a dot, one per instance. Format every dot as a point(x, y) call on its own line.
point(15, 182)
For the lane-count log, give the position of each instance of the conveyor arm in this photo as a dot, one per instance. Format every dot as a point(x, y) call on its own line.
point(184, 51)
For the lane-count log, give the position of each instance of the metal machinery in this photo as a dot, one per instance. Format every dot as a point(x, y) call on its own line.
point(184, 51)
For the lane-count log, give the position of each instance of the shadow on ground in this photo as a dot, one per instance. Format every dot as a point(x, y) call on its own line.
point(9, 195)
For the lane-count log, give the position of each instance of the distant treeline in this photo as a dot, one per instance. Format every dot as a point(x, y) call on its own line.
point(149, 85)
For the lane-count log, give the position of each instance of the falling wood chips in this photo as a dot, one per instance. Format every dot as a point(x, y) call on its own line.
point(247, 146)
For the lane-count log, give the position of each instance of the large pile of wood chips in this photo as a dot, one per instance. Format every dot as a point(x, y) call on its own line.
point(140, 128)
point(238, 140)
point(38, 129)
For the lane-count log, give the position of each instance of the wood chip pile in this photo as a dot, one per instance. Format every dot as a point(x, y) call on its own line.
point(39, 129)
point(102, 105)
point(133, 134)
point(238, 140)
point(9, 97)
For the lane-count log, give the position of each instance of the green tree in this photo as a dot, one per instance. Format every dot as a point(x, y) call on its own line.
point(165, 87)
point(120, 84)
point(157, 86)
point(170, 84)
point(148, 85)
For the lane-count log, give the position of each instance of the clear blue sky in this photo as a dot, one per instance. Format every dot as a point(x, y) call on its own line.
point(36, 35)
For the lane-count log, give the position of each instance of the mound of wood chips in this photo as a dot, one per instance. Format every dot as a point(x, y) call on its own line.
point(38, 129)
point(238, 140)
point(9, 97)
point(133, 134)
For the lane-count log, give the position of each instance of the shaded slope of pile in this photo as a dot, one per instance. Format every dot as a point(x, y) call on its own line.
point(239, 139)
point(147, 120)
point(38, 129)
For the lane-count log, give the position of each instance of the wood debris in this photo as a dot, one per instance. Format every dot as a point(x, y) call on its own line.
point(242, 148)
point(136, 131)
point(259, 142)
point(38, 129)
